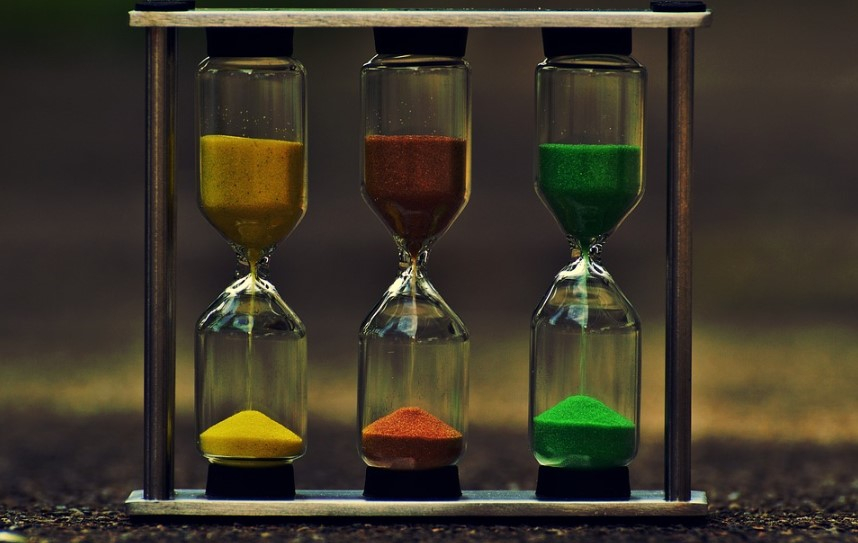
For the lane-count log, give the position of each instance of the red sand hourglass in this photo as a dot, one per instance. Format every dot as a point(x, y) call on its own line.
point(251, 349)
point(585, 335)
point(412, 380)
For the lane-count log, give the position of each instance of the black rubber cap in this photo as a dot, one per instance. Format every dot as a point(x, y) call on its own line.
point(249, 42)
point(558, 42)
point(251, 483)
point(429, 484)
point(609, 484)
point(674, 6)
point(165, 5)
point(438, 41)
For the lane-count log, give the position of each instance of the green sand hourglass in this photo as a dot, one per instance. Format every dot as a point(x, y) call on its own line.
point(412, 378)
point(585, 335)
point(251, 349)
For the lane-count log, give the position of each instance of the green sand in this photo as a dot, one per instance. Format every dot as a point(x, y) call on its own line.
point(582, 432)
point(590, 188)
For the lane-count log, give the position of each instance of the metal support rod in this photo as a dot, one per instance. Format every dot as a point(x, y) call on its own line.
point(160, 332)
point(677, 465)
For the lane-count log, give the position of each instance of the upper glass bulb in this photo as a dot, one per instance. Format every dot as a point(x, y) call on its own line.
point(590, 139)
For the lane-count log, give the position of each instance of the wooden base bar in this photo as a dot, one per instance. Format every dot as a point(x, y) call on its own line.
point(474, 503)
point(355, 18)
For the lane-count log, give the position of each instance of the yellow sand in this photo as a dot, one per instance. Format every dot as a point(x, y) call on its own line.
point(252, 189)
point(250, 434)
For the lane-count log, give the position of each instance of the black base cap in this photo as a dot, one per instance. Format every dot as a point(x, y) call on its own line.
point(251, 483)
point(428, 484)
point(558, 42)
point(442, 41)
point(677, 6)
point(249, 41)
point(165, 5)
point(584, 485)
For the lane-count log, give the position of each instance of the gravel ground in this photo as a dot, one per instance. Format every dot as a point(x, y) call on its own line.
point(65, 478)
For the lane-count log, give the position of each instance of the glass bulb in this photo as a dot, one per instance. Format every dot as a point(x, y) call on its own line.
point(412, 367)
point(585, 349)
point(251, 376)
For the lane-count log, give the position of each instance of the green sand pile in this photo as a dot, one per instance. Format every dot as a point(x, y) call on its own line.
point(582, 432)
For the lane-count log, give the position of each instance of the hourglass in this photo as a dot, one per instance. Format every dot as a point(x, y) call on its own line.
point(412, 380)
point(585, 335)
point(251, 351)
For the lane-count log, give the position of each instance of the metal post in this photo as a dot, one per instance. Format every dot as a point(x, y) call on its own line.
point(678, 345)
point(160, 332)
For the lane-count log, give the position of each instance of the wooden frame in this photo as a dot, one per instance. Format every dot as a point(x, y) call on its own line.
point(159, 497)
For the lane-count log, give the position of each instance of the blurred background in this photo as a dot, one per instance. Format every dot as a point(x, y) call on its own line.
point(775, 230)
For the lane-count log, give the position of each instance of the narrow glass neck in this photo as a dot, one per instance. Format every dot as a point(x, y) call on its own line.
point(251, 262)
point(409, 262)
point(590, 251)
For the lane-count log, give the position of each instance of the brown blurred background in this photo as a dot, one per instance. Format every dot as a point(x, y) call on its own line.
point(775, 232)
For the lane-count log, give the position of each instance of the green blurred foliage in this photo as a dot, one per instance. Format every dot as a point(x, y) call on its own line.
point(55, 14)
point(39, 26)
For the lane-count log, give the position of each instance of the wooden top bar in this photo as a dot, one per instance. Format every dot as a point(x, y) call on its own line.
point(354, 18)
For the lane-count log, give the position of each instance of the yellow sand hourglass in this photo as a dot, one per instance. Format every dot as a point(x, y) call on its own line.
point(251, 350)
